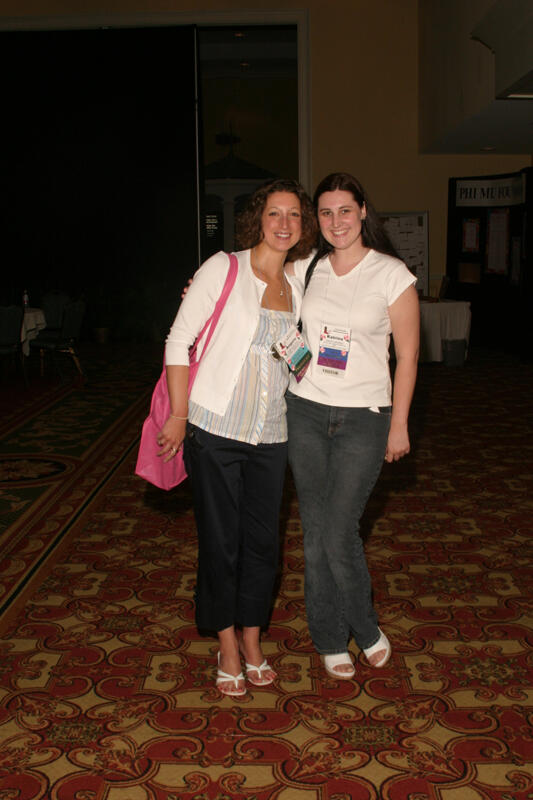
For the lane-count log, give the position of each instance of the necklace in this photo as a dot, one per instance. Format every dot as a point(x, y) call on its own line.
point(283, 288)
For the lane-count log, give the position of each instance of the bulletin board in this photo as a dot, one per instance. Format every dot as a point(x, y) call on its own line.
point(408, 231)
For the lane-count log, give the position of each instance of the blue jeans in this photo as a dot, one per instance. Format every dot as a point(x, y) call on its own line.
point(336, 455)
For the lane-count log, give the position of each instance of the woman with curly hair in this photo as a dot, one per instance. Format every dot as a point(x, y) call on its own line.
point(233, 425)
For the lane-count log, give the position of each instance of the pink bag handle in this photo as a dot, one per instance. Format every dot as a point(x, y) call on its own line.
point(149, 466)
point(219, 307)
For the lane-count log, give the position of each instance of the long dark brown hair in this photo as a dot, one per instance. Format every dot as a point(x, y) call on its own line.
point(373, 234)
point(249, 230)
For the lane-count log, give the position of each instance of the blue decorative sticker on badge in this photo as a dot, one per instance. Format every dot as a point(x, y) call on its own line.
point(329, 357)
point(294, 351)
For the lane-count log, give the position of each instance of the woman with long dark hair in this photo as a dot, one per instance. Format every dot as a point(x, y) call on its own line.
point(344, 416)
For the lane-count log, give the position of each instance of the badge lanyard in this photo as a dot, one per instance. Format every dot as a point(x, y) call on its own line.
point(293, 350)
point(335, 340)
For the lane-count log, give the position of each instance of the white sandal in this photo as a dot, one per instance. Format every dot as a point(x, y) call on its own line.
point(335, 660)
point(264, 667)
point(381, 644)
point(225, 677)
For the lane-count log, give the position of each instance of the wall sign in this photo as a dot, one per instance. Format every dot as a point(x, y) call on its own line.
point(509, 191)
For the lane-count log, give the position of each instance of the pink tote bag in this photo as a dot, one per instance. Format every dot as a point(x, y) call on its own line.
point(150, 466)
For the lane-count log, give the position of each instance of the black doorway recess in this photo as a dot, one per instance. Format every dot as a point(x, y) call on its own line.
point(100, 171)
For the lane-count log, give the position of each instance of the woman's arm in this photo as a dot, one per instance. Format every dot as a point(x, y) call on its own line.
point(193, 313)
point(404, 315)
point(196, 308)
point(172, 434)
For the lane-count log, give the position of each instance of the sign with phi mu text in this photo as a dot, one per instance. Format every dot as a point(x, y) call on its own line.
point(509, 191)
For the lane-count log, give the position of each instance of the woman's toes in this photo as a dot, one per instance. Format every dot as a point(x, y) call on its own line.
point(375, 658)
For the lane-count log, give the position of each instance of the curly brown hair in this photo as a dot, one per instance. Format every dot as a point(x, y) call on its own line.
point(249, 230)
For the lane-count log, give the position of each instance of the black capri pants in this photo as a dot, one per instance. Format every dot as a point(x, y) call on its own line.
point(237, 489)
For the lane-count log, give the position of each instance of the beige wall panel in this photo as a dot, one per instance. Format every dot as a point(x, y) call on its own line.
point(363, 94)
point(459, 80)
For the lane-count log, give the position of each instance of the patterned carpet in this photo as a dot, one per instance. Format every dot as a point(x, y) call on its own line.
point(107, 690)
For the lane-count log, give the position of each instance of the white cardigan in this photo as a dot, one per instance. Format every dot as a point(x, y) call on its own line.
point(223, 359)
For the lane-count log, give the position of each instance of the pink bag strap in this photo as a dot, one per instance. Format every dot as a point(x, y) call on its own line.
point(231, 277)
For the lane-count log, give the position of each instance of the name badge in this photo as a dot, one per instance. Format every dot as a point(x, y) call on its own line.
point(294, 351)
point(334, 349)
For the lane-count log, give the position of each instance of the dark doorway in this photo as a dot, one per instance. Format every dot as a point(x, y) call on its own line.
point(100, 171)
point(249, 101)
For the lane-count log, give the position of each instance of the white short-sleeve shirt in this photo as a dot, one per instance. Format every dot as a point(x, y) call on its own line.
point(358, 301)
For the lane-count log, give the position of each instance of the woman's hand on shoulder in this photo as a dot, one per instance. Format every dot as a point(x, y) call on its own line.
point(289, 268)
point(208, 274)
point(186, 288)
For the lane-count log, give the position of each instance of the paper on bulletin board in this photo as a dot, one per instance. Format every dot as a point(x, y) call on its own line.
point(408, 232)
point(498, 241)
point(471, 235)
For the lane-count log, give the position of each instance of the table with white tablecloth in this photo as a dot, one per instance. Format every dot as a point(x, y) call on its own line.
point(33, 321)
point(445, 321)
